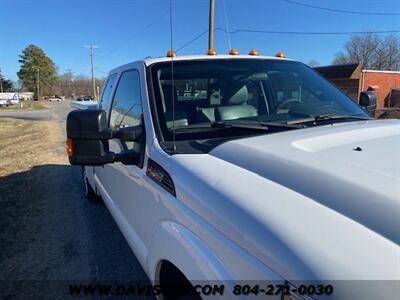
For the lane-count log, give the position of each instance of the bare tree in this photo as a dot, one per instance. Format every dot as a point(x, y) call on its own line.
point(371, 51)
point(341, 59)
point(71, 86)
point(313, 63)
point(388, 54)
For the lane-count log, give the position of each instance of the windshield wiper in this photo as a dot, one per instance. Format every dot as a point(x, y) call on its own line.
point(326, 117)
point(251, 125)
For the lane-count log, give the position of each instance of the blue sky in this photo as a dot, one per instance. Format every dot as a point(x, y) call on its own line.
point(127, 30)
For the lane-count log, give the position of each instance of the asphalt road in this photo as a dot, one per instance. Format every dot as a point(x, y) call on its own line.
point(56, 111)
point(51, 236)
point(41, 114)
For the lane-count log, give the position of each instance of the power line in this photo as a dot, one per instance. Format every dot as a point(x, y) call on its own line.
point(342, 10)
point(193, 40)
point(124, 44)
point(285, 32)
point(307, 32)
point(102, 71)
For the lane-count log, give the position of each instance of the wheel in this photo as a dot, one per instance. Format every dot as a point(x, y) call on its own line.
point(174, 285)
point(90, 194)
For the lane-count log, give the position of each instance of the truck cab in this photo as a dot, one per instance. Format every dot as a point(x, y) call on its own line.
point(243, 168)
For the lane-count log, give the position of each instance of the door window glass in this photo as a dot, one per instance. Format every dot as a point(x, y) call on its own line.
point(127, 105)
point(106, 95)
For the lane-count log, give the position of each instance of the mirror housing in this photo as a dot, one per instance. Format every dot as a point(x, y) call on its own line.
point(88, 135)
point(367, 100)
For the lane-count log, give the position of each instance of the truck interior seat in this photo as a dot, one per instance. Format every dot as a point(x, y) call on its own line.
point(236, 105)
point(180, 116)
point(205, 114)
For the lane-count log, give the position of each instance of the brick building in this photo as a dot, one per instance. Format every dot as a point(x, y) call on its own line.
point(386, 85)
point(352, 79)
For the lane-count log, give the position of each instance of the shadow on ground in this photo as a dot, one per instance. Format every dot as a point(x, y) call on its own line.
point(51, 234)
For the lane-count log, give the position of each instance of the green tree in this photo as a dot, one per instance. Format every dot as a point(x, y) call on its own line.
point(6, 85)
point(37, 72)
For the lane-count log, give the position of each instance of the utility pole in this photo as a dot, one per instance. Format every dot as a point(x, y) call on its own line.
point(1, 83)
point(37, 83)
point(91, 47)
point(211, 26)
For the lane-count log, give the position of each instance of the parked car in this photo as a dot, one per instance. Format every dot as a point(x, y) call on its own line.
point(84, 98)
point(5, 102)
point(268, 174)
point(15, 100)
point(9, 98)
point(87, 98)
point(56, 98)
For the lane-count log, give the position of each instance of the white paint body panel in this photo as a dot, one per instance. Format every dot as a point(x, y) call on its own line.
point(296, 205)
point(304, 210)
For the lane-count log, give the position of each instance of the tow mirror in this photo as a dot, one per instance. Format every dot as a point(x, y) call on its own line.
point(88, 136)
point(368, 101)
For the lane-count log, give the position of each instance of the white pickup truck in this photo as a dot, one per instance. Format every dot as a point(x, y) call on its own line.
point(249, 171)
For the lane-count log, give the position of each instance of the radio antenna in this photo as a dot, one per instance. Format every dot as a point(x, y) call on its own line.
point(228, 35)
point(172, 77)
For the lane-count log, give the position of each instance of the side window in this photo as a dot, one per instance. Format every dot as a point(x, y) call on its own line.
point(127, 104)
point(105, 96)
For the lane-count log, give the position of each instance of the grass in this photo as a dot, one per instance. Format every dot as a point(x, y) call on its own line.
point(29, 105)
point(25, 144)
point(32, 173)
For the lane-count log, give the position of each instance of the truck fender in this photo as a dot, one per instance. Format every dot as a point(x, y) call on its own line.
point(178, 245)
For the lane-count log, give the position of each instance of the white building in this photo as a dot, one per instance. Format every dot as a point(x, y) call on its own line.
point(26, 96)
point(16, 97)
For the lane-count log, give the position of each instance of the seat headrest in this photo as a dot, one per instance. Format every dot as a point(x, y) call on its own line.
point(237, 95)
point(167, 91)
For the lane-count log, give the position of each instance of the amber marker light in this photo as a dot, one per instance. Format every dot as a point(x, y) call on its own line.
point(211, 52)
point(253, 52)
point(280, 54)
point(234, 52)
point(171, 53)
point(68, 147)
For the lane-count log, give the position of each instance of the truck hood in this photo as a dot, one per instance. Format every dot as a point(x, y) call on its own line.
point(353, 168)
point(321, 202)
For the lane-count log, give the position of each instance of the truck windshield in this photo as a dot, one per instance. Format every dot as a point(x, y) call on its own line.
point(265, 91)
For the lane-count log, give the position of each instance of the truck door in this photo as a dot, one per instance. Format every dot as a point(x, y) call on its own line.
point(104, 104)
point(123, 184)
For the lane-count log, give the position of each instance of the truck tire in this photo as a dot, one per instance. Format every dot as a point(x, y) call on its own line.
point(174, 285)
point(90, 194)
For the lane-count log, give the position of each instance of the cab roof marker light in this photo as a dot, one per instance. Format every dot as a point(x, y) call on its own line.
point(280, 54)
point(254, 52)
point(171, 53)
point(234, 52)
point(211, 52)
